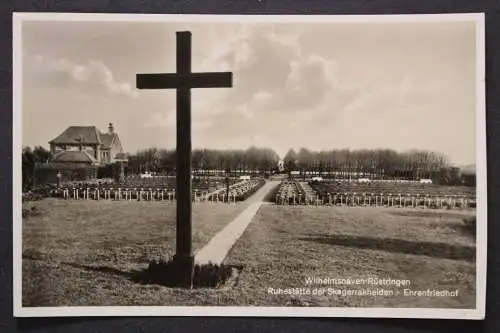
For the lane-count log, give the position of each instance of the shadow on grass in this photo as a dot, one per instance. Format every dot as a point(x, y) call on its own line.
point(427, 213)
point(105, 269)
point(166, 274)
point(465, 231)
point(469, 226)
point(430, 249)
point(159, 272)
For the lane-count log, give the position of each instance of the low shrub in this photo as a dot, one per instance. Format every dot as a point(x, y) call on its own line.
point(246, 195)
point(39, 193)
point(166, 273)
point(30, 196)
point(30, 210)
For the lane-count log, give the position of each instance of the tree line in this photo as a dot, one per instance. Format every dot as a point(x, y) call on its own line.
point(253, 159)
point(29, 158)
point(369, 160)
point(381, 163)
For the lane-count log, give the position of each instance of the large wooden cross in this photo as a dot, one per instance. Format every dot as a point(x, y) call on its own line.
point(183, 81)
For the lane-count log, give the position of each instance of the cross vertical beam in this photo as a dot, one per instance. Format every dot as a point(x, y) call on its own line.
point(184, 253)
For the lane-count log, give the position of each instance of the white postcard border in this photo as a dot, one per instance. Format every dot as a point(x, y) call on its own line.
point(242, 311)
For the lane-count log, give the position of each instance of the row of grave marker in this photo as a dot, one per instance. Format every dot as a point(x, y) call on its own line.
point(348, 200)
point(120, 193)
point(140, 194)
point(378, 200)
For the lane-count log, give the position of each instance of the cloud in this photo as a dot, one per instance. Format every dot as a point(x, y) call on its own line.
point(272, 73)
point(92, 75)
point(284, 95)
point(382, 95)
point(274, 81)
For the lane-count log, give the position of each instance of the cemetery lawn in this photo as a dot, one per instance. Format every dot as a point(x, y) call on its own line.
point(285, 245)
point(81, 252)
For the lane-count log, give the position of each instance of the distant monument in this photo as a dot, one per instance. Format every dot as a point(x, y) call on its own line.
point(281, 165)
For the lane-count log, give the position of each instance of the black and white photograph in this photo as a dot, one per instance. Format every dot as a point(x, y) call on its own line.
point(306, 166)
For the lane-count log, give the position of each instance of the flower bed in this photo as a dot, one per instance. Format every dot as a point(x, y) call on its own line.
point(323, 188)
point(388, 195)
point(395, 194)
point(239, 191)
point(127, 191)
point(290, 192)
point(162, 188)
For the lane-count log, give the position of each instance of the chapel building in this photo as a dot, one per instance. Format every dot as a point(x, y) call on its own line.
point(88, 145)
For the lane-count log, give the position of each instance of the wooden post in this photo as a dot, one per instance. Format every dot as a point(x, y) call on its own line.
point(227, 185)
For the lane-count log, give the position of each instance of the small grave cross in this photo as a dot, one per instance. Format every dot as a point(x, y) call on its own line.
point(183, 81)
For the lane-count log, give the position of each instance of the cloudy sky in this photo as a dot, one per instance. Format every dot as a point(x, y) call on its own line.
point(320, 86)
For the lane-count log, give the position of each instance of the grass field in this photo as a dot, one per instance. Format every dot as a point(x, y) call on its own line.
point(285, 245)
point(83, 253)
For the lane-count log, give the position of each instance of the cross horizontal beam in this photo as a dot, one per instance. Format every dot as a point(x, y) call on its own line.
point(191, 80)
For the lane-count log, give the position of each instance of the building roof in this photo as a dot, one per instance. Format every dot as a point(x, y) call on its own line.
point(74, 157)
point(79, 134)
point(107, 139)
point(85, 135)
